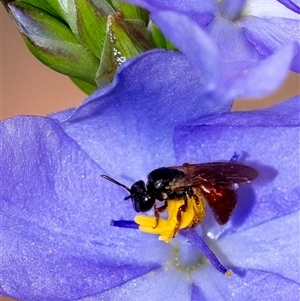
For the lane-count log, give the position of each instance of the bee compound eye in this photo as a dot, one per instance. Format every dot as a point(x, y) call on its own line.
point(136, 205)
point(143, 203)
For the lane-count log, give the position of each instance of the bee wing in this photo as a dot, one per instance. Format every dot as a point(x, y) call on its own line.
point(217, 181)
point(216, 173)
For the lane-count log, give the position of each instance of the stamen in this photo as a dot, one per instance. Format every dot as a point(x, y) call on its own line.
point(234, 157)
point(167, 233)
point(124, 224)
point(198, 241)
point(166, 227)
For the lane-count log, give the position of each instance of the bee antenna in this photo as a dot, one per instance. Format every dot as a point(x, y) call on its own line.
point(115, 182)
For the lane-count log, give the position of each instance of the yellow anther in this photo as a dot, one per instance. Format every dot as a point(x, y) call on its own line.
point(166, 227)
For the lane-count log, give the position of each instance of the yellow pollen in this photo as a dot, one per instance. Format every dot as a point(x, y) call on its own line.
point(166, 227)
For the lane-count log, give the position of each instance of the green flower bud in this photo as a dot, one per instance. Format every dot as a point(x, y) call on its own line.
point(53, 43)
point(129, 11)
point(157, 37)
point(124, 40)
point(85, 39)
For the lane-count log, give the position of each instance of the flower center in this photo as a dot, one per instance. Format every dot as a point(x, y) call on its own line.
point(186, 258)
point(168, 228)
point(183, 258)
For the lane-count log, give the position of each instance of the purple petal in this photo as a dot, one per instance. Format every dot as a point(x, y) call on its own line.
point(236, 53)
point(269, 9)
point(265, 139)
point(272, 247)
point(176, 5)
point(265, 78)
point(202, 52)
point(252, 285)
point(231, 9)
point(134, 118)
point(161, 284)
point(245, 71)
point(269, 35)
point(57, 242)
point(242, 43)
point(199, 11)
point(197, 294)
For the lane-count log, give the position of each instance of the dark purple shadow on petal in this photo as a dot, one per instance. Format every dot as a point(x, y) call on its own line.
point(247, 195)
point(197, 294)
point(245, 204)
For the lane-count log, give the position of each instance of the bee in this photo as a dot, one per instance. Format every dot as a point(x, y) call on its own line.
point(214, 182)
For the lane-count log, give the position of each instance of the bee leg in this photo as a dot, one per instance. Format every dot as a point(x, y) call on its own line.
point(157, 211)
point(182, 208)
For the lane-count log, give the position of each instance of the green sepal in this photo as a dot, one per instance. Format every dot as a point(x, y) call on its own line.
point(125, 39)
point(53, 43)
point(42, 5)
point(84, 86)
point(158, 39)
point(86, 39)
point(67, 10)
point(130, 37)
point(91, 22)
point(129, 11)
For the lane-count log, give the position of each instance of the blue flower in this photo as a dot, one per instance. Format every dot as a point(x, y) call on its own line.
point(246, 33)
point(56, 209)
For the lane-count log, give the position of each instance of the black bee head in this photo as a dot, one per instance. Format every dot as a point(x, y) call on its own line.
point(141, 200)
